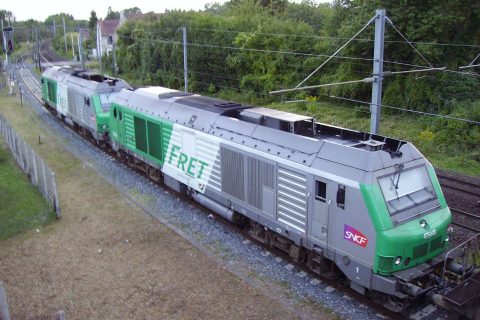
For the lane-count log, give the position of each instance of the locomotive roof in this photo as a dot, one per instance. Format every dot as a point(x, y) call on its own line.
point(287, 116)
point(325, 145)
point(85, 79)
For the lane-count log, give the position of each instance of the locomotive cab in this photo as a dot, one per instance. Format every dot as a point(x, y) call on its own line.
point(410, 216)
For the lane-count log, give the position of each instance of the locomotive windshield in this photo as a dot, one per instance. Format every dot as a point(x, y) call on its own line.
point(408, 190)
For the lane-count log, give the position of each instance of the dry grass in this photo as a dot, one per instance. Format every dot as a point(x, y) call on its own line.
point(105, 259)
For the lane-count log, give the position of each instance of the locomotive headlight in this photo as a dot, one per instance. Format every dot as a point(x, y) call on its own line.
point(398, 260)
point(447, 239)
point(423, 223)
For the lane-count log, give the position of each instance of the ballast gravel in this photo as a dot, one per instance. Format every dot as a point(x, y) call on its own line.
point(206, 232)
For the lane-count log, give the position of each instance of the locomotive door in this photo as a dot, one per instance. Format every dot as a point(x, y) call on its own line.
point(318, 225)
point(120, 129)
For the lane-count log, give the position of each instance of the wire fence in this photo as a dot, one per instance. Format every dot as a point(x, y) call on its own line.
point(33, 165)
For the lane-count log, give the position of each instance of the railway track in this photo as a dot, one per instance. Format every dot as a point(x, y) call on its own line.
point(470, 216)
point(34, 87)
point(31, 83)
point(463, 186)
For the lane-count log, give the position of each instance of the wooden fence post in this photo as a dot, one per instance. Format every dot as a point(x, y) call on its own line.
point(4, 313)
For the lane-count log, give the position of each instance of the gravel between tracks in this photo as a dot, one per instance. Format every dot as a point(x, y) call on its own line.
point(248, 260)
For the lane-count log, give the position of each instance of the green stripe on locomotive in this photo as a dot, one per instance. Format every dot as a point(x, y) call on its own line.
point(102, 117)
point(49, 91)
point(140, 133)
point(407, 240)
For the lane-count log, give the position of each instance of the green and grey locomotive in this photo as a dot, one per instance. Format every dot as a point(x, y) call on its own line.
point(364, 206)
point(81, 96)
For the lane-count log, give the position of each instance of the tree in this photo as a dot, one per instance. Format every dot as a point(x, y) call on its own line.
point(130, 11)
point(92, 25)
point(92, 22)
point(112, 14)
point(7, 15)
point(58, 18)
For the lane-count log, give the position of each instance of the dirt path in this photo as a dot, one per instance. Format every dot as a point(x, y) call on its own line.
point(106, 259)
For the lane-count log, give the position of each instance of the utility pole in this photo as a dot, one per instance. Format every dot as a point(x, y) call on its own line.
point(185, 66)
point(38, 49)
point(33, 49)
point(5, 46)
point(375, 106)
point(80, 47)
point(114, 60)
point(99, 46)
point(73, 47)
point(54, 28)
point(65, 35)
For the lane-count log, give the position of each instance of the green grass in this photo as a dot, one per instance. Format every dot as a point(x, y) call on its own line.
point(22, 207)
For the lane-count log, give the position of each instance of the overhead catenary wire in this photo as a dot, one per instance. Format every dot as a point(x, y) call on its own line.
point(342, 38)
point(471, 64)
point(409, 110)
point(193, 44)
point(254, 50)
point(409, 43)
point(423, 68)
point(336, 52)
point(366, 80)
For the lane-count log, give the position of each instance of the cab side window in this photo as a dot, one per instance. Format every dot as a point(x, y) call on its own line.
point(320, 191)
point(341, 196)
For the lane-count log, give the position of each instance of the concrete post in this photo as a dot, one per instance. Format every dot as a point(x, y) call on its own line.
point(185, 65)
point(4, 312)
point(80, 47)
point(73, 48)
point(114, 60)
point(64, 35)
point(375, 106)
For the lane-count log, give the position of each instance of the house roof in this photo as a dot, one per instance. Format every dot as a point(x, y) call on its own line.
point(108, 26)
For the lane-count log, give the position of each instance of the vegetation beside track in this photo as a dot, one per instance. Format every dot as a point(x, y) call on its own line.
point(22, 206)
point(241, 50)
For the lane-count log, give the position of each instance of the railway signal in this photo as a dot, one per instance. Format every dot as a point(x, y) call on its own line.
point(7, 33)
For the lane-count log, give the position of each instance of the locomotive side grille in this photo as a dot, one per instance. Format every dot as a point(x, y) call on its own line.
point(79, 105)
point(436, 244)
point(71, 102)
point(129, 130)
point(385, 264)
point(259, 174)
point(216, 176)
point(420, 250)
point(206, 151)
point(233, 173)
point(292, 198)
point(166, 133)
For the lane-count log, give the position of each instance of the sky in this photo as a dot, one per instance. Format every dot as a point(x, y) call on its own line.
point(80, 9)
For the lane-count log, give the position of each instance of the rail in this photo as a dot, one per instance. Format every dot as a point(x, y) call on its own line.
point(471, 216)
point(31, 83)
point(464, 186)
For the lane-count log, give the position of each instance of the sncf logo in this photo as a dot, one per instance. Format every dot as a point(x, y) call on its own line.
point(355, 236)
